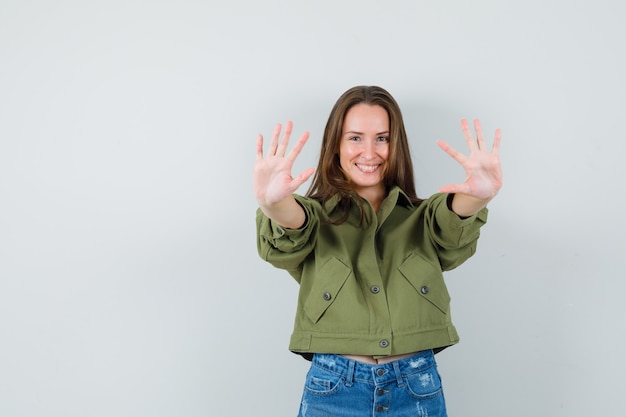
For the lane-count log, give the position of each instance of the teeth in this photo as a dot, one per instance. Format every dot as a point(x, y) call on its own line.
point(367, 168)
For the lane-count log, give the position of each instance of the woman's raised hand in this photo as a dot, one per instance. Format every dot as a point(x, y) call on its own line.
point(482, 166)
point(273, 182)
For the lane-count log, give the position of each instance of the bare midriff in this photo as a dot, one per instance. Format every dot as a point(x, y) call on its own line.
point(373, 361)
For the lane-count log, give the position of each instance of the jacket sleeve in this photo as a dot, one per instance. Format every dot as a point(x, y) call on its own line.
point(456, 238)
point(287, 248)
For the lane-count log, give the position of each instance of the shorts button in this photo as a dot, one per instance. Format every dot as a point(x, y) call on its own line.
point(380, 372)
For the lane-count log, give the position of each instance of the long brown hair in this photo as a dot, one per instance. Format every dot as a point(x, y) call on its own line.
point(330, 180)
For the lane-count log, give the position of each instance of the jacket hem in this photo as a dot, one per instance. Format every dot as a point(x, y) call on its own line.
point(378, 346)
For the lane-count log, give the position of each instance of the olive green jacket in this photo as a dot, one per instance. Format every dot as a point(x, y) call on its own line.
point(375, 287)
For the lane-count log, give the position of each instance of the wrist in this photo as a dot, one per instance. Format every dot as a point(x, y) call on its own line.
point(464, 205)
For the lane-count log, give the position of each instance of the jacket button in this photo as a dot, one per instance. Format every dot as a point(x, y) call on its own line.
point(383, 343)
point(424, 290)
point(375, 289)
point(327, 296)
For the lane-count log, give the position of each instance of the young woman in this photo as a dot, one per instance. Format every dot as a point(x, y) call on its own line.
point(369, 256)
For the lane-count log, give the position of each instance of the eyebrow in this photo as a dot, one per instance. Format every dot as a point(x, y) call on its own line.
point(386, 132)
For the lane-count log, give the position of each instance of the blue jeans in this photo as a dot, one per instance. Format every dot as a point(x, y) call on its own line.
point(340, 387)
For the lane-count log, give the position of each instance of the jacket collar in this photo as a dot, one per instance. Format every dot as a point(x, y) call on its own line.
point(400, 197)
point(394, 198)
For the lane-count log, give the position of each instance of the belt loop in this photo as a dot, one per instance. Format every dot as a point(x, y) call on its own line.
point(396, 370)
point(350, 375)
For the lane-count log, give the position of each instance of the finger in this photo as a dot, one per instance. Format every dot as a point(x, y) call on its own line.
point(469, 138)
point(480, 138)
point(456, 155)
point(282, 147)
point(259, 147)
point(496, 142)
point(274, 142)
point(295, 151)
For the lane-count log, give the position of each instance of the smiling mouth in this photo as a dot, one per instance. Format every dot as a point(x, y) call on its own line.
point(367, 168)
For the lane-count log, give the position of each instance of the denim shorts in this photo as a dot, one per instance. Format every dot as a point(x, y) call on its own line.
point(340, 387)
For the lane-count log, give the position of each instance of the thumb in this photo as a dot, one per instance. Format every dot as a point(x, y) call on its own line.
point(304, 175)
point(453, 188)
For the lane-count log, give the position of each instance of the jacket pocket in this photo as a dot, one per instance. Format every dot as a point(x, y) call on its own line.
point(326, 286)
point(427, 280)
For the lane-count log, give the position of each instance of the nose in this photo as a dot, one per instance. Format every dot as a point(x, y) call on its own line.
point(369, 149)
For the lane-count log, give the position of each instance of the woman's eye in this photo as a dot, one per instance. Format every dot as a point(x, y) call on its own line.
point(383, 139)
point(355, 138)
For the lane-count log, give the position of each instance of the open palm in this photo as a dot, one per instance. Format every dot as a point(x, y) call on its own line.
point(482, 167)
point(273, 181)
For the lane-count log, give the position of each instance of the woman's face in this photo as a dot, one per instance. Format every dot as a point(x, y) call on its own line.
point(364, 148)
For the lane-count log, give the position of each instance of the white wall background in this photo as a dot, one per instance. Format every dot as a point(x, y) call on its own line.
point(129, 279)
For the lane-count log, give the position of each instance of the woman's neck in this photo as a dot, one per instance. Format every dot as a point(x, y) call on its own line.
point(374, 196)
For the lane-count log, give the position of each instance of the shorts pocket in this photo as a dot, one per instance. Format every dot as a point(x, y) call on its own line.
point(424, 385)
point(323, 382)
